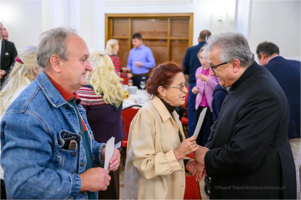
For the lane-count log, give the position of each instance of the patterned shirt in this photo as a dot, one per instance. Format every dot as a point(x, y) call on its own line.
point(89, 97)
point(117, 65)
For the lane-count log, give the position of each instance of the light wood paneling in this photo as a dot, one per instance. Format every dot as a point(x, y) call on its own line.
point(168, 35)
point(120, 28)
point(178, 49)
point(123, 52)
point(180, 28)
point(158, 48)
point(150, 27)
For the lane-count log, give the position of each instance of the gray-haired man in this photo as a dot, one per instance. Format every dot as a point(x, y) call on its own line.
point(248, 155)
point(48, 147)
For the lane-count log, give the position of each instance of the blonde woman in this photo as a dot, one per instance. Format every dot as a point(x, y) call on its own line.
point(24, 72)
point(112, 49)
point(205, 84)
point(102, 99)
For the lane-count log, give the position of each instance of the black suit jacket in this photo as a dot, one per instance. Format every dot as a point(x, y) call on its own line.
point(8, 54)
point(287, 73)
point(250, 155)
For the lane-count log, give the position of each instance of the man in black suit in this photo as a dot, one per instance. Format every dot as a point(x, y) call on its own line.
point(287, 73)
point(5, 34)
point(8, 52)
point(248, 155)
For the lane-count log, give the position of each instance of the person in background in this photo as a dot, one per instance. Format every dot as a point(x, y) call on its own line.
point(205, 84)
point(190, 64)
point(8, 52)
point(218, 97)
point(102, 98)
point(249, 156)
point(287, 73)
point(5, 34)
point(112, 49)
point(156, 144)
point(48, 148)
point(140, 60)
point(24, 72)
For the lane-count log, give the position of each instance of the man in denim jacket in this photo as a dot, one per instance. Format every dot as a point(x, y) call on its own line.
point(48, 149)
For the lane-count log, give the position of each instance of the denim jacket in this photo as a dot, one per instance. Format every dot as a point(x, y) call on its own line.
point(33, 131)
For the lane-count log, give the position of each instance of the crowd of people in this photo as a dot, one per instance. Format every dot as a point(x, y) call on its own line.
point(61, 103)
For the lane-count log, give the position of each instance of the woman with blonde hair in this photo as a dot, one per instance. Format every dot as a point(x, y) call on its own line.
point(102, 98)
point(205, 84)
point(24, 72)
point(111, 50)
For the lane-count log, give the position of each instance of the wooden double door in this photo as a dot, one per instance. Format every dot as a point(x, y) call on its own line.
point(167, 35)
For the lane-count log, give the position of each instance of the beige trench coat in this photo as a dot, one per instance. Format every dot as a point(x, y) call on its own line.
point(151, 170)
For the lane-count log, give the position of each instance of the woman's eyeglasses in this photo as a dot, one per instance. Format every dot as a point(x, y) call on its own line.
point(180, 87)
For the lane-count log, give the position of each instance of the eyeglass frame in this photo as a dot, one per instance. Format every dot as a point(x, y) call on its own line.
point(215, 66)
point(180, 87)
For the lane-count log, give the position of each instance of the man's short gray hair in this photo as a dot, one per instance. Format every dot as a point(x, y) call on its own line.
point(233, 46)
point(53, 42)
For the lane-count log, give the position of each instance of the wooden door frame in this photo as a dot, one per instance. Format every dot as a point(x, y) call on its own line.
point(108, 21)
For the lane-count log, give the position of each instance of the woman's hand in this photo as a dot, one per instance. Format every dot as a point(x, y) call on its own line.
point(195, 90)
point(188, 146)
point(203, 77)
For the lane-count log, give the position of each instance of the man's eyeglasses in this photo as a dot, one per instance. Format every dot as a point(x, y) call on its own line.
point(215, 66)
point(180, 87)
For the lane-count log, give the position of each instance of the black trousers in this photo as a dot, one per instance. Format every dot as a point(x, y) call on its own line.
point(138, 79)
point(3, 191)
point(113, 189)
point(205, 129)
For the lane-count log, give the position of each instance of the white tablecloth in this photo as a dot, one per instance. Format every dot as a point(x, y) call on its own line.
point(132, 100)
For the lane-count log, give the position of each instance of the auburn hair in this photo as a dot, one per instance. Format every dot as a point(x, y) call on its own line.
point(162, 75)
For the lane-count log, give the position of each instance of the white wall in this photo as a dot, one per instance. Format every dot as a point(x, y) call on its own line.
point(23, 20)
point(277, 22)
point(259, 20)
point(222, 16)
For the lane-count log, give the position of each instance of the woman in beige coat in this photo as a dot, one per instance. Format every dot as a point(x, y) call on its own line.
point(156, 144)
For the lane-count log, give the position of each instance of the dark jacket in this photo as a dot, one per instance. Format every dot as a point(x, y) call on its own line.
point(287, 73)
point(191, 61)
point(105, 122)
point(104, 119)
point(250, 155)
point(218, 95)
point(8, 54)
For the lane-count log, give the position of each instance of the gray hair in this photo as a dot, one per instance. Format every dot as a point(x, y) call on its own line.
point(53, 42)
point(233, 46)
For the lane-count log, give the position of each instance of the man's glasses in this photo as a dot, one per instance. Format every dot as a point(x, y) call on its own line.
point(215, 66)
point(180, 87)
